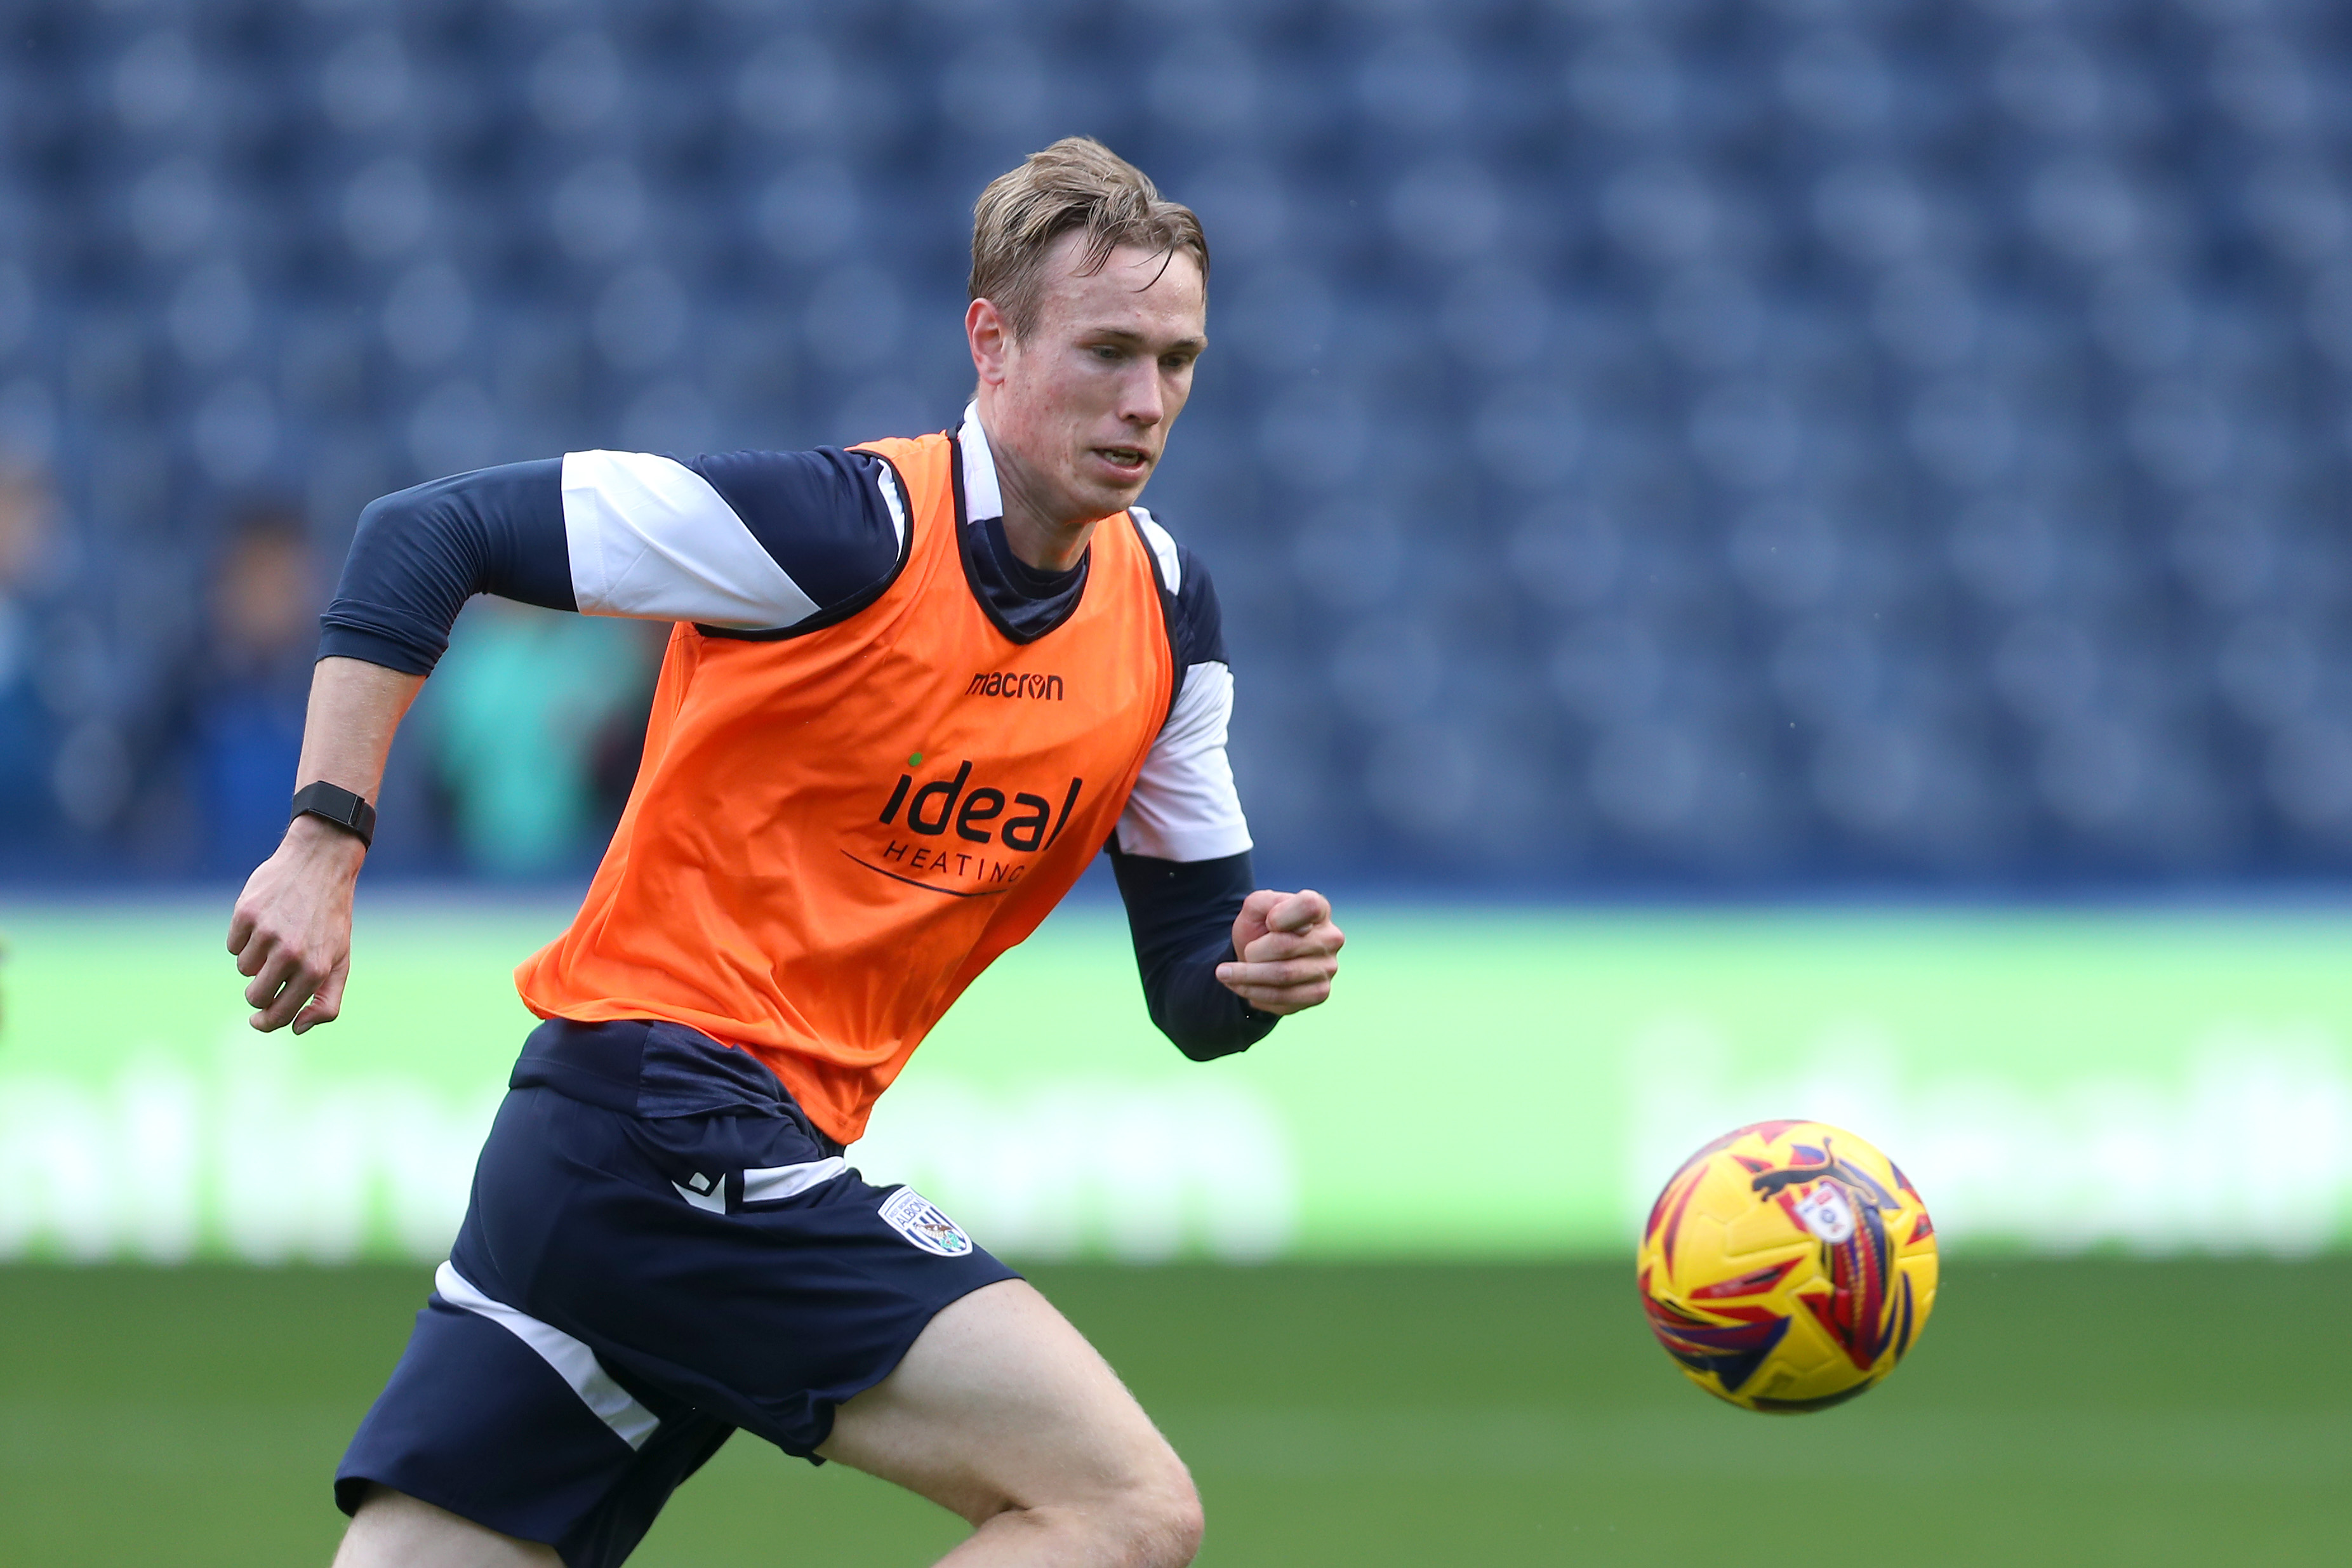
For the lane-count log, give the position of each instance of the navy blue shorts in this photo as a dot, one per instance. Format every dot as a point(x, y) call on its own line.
point(660, 1248)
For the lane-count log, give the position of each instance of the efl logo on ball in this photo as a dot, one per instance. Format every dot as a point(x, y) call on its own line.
point(1788, 1267)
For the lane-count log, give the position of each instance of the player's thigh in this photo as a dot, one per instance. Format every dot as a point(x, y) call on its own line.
point(393, 1529)
point(1000, 1404)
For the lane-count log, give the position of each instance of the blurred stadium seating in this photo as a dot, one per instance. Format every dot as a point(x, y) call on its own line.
point(1686, 444)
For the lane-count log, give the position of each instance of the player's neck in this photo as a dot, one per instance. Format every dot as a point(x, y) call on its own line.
point(1043, 537)
point(1040, 544)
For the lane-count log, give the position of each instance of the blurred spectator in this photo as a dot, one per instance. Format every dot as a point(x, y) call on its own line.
point(248, 710)
point(29, 555)
point(535, 720)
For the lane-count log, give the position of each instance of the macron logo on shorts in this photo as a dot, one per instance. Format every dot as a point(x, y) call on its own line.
point(768, 1184)
point(918, 1219)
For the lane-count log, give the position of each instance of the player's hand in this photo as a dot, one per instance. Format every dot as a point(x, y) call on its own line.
point(291, 931)
point(1288, 949)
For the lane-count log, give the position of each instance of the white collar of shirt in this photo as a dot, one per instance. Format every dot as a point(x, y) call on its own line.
point(982, 498)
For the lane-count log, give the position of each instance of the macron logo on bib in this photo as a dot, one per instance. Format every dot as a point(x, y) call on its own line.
point(1015, 683)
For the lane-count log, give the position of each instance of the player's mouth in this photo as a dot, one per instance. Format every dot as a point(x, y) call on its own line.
point(1128, 463)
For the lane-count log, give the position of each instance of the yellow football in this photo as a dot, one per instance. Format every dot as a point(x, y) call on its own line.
point(1788, 1266)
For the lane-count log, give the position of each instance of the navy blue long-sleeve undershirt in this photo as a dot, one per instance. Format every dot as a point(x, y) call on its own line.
point(1181, 915)
point(420, 553)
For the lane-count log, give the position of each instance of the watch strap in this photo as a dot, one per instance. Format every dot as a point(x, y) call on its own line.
point(334, 804)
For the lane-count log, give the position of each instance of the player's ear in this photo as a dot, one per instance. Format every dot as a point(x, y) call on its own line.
point(991, 337)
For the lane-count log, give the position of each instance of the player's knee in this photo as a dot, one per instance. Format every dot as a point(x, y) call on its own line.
point(1179, 1526)
point(1148, 1517)
point(1161, 1516)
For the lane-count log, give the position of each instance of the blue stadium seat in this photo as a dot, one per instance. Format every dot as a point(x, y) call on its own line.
point(1593, 389)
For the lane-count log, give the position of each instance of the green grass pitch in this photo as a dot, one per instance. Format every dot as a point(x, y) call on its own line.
point(2081, 1413)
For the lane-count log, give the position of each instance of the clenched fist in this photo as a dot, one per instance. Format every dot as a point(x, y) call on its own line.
point(1289, 952)
point(291, 931)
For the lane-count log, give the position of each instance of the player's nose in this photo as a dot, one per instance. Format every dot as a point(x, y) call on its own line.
point(1142, 401)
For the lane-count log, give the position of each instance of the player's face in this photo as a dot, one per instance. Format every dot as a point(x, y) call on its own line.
point(1082, 412)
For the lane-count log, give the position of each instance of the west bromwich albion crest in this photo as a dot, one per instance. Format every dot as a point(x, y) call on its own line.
point(918, 1219)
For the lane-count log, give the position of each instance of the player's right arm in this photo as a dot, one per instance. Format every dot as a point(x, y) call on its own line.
point(764, 540)
point(291, 929)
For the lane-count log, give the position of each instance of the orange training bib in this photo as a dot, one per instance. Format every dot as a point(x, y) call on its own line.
point(833, 833)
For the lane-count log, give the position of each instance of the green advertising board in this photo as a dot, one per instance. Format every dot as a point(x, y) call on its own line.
point(1486, 1084)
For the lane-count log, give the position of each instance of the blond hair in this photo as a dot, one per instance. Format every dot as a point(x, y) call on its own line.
point(1077, 184)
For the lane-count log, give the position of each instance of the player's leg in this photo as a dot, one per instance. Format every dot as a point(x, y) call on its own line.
point(393, 1529)
point(1002, 1413)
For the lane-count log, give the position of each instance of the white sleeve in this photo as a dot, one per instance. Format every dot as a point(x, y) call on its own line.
point(1184, 807)
point(650, 537)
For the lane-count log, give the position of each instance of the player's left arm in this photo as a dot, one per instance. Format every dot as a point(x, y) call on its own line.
point(1221, 959)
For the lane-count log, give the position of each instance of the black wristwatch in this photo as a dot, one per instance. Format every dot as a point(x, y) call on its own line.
point(332, 803)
